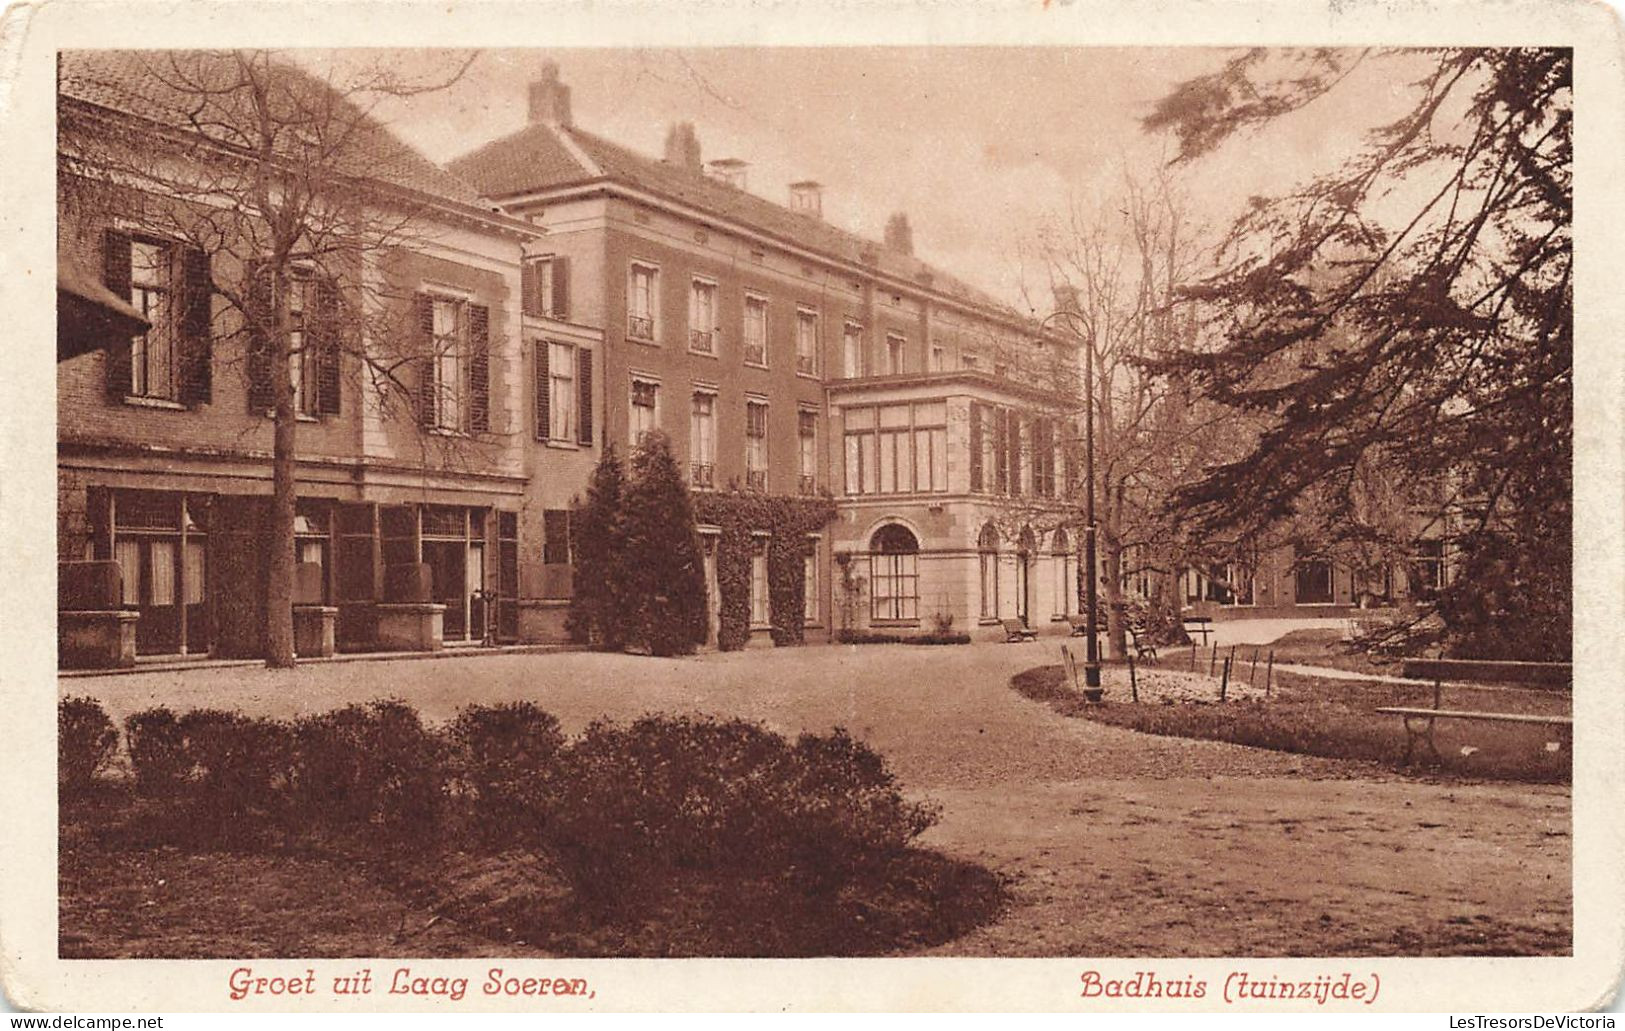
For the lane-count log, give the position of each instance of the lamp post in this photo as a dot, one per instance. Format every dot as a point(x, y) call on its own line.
point(1091, 628)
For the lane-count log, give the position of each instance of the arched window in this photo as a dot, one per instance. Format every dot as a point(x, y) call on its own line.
point(894, 575)
point(1064, 566)
point(987, 549)
point(1026, 553)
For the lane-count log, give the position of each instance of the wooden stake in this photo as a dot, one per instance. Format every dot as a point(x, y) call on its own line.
point(1133, 684)
point(1224, 682)
point(1213, 659)
point(1437, 692)
point(1252, 674)
point(1269, 674)
point(1193, 656)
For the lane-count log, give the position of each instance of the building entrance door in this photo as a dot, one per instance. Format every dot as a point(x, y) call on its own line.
point(448, 572)
point(1314, 583)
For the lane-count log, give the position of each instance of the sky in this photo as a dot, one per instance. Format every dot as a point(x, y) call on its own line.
point(978, 145)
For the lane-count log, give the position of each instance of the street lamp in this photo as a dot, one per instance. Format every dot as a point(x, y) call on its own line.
point(1091, 666)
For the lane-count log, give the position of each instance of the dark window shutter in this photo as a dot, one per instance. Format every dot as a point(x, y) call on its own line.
point(424, 305)
point(260, 316)
point(528, 292)
point(543, 398)
point(560, 270)
point(196, 326)
point(1013, 440)
point(327, 340)
point(975, 448)
point(1001, 455)
point(584, 385)
point(116, 273)
point(479, 368)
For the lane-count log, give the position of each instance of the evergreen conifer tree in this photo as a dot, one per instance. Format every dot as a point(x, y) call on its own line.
point(665, 573)
point(598, 610)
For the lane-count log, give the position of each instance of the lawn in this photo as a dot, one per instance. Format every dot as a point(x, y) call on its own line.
point(1335, 718)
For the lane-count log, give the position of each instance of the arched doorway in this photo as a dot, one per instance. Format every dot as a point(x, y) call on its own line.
point(894, 575)
point(1026, 551)
point(1060, 550)
point(987, 557)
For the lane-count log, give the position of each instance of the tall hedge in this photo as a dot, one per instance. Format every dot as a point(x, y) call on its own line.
point(665, 570)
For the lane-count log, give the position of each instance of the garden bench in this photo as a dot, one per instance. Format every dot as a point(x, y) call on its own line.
point(1080, 625)
point(1419, 723)
point(1203, 625)
point(1015, 630)
point(1143, 649)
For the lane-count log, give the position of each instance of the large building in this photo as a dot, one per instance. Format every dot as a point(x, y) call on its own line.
point(557, 293)
point(785, 356)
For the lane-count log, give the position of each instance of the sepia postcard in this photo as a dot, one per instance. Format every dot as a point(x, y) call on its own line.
point(566, 508)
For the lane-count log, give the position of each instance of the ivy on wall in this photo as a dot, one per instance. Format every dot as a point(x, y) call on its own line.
point(787, 522)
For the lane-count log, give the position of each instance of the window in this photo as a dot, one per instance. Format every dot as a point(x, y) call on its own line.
point(536, 290)
point(702, 317)
point(152, 354)
point(939, 358)
point(447, 359)
point(860, 450)
point(894, 575)
point(809, 575)
point(1065, 566)
point(931, 447)
point(897, 449)
point(1043, 460)
point(896, 357)
point(806, 342)
point(807, 444)
point(1313, 582)
point(987, 554)
point(1428, 569)
point(756, 445)
point(302, 361)
point(755, 330)
point(758, 583)
point(969, 361)
point(556, 536)
point(645, 405)
point(852, 350)
point(561, 398)
point(642, 302)
point(702, 439)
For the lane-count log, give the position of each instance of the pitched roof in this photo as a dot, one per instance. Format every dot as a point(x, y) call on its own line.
point(169, 86)
point(536, 158)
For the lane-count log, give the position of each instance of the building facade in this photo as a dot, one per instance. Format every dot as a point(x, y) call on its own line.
point(783, 356)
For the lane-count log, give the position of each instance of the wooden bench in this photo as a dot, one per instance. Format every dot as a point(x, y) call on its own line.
point(1143, 649)
point(1015, 630)
point(1204, 626)
point(1080, 626)
point(1419, 724)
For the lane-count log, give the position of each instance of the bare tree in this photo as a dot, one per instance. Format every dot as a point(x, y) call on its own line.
point(294, 193)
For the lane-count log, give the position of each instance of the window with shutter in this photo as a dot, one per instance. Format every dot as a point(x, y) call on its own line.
point(329, 335)
point(260, 315)
point(976, 448)
point(584, 386)
point(479, 368)
point(196, 329)
point(560, 269)
point(426, 387)
point(544, 421)
point(116, 274)
point(528, 275)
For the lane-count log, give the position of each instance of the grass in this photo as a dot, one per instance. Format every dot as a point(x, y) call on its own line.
point(1335, 719)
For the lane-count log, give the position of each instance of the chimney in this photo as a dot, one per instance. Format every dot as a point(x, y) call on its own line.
point(1066, 298)
point(807, 197)
point(899, 234)
point(728, 170)
point(683, 147)
point(550, 98)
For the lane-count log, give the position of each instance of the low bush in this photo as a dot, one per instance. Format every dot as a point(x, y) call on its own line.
point(503, 762)
point(240, 770)
point(157, 751)
point(370, 768)
point(667, 794)
point(869, 637)
point(86, 741)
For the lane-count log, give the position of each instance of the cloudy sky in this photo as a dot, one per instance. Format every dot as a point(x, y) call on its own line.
point(979, 145)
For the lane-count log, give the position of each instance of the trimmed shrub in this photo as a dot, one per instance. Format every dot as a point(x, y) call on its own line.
point(85, 742)
point(503, 761)
point(371, 768)
point(866, 637)
point(598, 606)
point(729, 798)
point(157, 751)
point(241, 771)
point(665, 572)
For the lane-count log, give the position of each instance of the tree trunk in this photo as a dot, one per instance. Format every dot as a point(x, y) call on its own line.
point(1116, 625)
point(279, 532)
